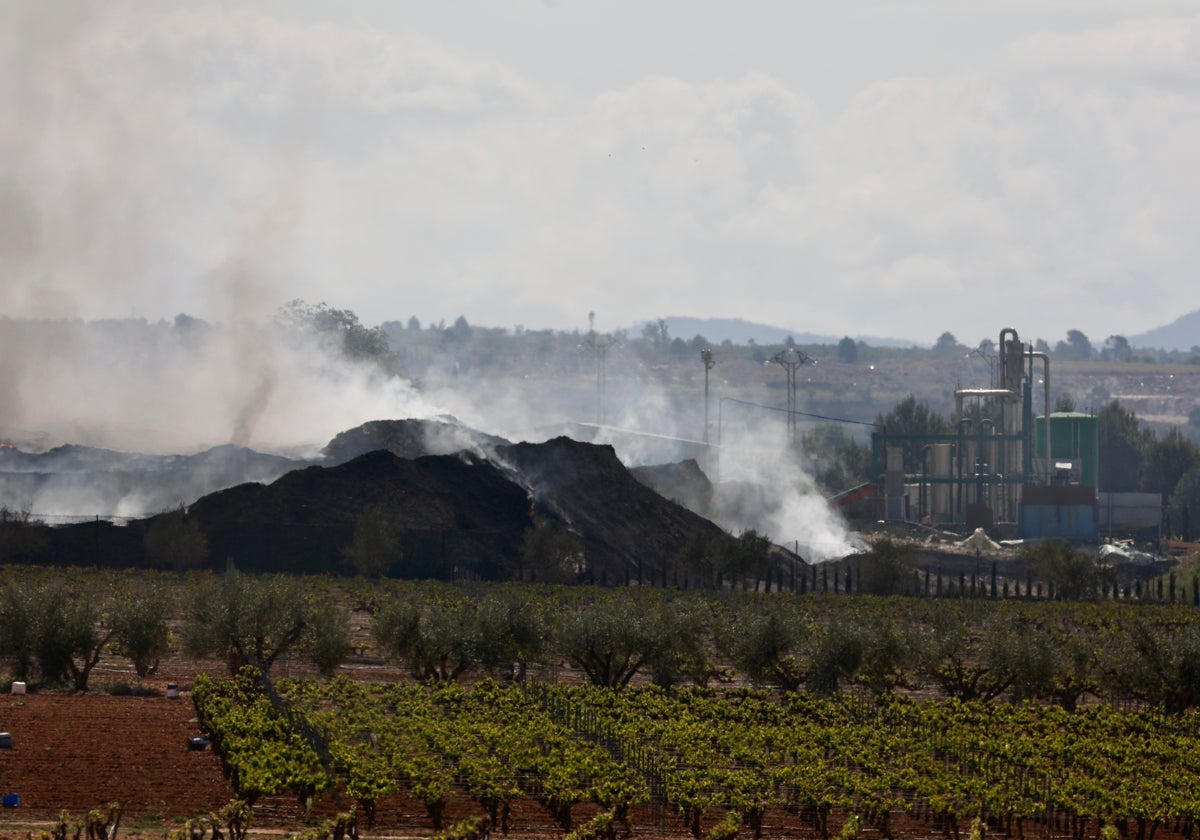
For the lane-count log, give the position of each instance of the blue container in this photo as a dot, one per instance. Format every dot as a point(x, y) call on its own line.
point(11, 800)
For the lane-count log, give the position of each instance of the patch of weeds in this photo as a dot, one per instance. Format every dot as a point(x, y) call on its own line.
point(124, 689)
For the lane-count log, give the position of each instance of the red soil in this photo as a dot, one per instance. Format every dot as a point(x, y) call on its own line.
point(82, 751)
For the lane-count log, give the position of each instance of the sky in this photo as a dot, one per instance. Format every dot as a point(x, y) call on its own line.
point(860, 168)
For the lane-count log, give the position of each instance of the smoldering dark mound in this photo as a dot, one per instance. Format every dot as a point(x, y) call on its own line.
point(630, 532)
point(408, 438)
point(448, 511)
point(461, 514)
point(682, 482)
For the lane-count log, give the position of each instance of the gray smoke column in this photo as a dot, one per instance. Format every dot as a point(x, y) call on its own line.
point(106, 190)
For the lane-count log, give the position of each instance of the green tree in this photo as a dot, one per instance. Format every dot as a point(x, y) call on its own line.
point(689, 629)
point(1072, 574)
point(768, 645)
point(1077, 347)
point(1117, 349)
point(19, 611)
point(375, 548)
point(71, 633)
point(1122, 444)
point(248, 620)
point(947, 345)
point(888, 651)
point(139, 621)
point(1167, 460)
point(1058, 666)
point(1064, 403)
point(967, 661)
point(835, 460)
point(352, 339)
point(701, 558)
point(913, 420)
point(847, 351)
point(887, 569)
point(837, 654)
point(1184, 506)
point(748, 557)
point(1158, 662)
point(435, 638)
point(326, 639)
point(609, 639)
point(513, 627)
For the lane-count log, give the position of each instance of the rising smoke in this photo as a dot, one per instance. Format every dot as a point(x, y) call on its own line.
point(94, 219)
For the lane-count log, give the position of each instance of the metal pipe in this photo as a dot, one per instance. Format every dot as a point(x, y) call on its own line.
point(924, 482)
point(960, 456)
point(1033, 354)
point(1003, 354)
point(984, 392)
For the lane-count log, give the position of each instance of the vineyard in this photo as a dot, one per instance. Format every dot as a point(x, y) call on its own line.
point(420, 708)
point(710, 763)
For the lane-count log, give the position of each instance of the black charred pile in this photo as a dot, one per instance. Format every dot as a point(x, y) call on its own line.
point(630, 533)
point(682, 482)
point(453, 515)
point(408, 438)
point(462, 515)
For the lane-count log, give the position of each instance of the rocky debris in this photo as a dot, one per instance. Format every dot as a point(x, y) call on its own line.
point(409, 438)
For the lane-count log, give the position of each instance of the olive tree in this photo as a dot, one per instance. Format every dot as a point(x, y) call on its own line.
point(435, 638)
point(769, 645)
point(971, 660)
point(1158, 662)
point(18, 627)
point(59, 626)
point(141, 634)
point(610, 639)
point(248, 620)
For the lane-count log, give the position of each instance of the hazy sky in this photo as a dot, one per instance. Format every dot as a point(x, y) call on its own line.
point(863, 168)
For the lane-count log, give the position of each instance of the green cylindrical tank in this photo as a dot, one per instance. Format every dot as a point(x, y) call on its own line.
point(1073, 436)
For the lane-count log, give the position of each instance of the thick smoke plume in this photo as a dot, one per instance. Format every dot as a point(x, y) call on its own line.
point(185, 386)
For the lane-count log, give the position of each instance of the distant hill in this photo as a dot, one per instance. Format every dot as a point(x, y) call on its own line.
point(1181, 334)
point(717, 330)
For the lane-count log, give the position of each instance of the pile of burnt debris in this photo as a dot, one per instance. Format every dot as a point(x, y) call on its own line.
point(458, 502)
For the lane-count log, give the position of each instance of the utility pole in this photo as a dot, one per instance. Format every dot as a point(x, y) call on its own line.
point(598, 346)
point(790, 360)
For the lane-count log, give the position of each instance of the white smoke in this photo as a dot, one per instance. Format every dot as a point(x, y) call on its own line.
point(654, 415)
point(187, 386)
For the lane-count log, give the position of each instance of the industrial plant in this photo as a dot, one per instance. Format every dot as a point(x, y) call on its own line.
point(1003, 468)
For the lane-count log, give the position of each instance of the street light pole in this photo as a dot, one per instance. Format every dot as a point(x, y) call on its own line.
point(706, 357)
